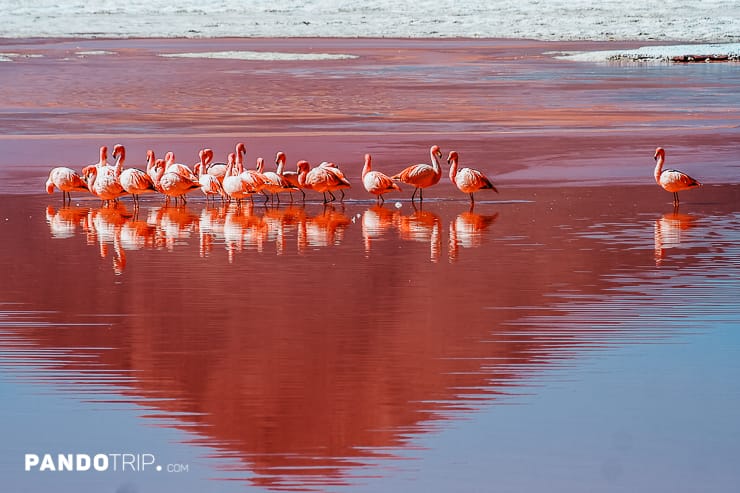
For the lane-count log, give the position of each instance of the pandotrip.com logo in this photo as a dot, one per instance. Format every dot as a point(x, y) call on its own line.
point(100, 462)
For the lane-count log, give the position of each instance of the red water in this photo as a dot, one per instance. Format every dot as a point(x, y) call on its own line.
point(310, 346)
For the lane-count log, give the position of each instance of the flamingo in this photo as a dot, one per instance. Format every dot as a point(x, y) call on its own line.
point(342, 181)
point(103, 184)
point(133, 180)
point(291, 176)
point(276, 183)
point(320, 179)
point(254, 179)
point(173, 184)
point(422, 175)
point(376, 182)
point(670, 179)
point(209, 184)
point(150, 161)
point(234, 185)
point(216, 169)
point(181, 169)
point(66, 180)
point(468, 180)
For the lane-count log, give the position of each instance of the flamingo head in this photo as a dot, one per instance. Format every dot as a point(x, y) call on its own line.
point(49, 186)
point(169, 157)
point(452, 157)
point(149, 156)
point(436, 151)
point(368, 158)
point(280, 158)
point(103, 154)
point(303, 166)
point(119, 149)
point(208, 155)
point(659, 152)
point(260, 164)
point(232, 158)
point(241, 148)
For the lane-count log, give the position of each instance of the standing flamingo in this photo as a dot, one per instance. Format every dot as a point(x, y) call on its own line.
point(173, 184)
point(275, 182)
point(102, 165)
point(103, 184)
point(209, 184)
point(468, 180)
point(133, 180)
point(234, 185)
point(291, 176)
point(376, 182)
point(66, 180)
point(670, 179)
point(181, 169)
point(342, 181)
point(422, 175)
point(254, 179)
point(320, 179)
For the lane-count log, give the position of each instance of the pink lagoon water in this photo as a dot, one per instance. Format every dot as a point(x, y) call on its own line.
point(572, 333)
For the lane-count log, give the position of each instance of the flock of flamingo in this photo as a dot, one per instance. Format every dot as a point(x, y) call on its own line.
point(231, 181)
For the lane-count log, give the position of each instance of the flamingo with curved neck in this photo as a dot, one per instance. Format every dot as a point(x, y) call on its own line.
point(670, 179)
point(375, 182)
point(422, 175)
point(468, 180)
point(133, 180)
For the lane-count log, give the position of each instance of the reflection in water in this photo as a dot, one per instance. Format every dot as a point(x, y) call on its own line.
point(313, 368)
point(668, 230)
point(467, 231)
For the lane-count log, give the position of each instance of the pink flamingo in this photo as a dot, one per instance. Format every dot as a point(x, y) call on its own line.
point(670, 179)
point(173, 184)
point(468, 180)
point(291, 176)
point(275, 182)
point(66, 180)
point(234, 185)
point(209, 184)
point(103, 184)
point(254, 179)
point(320, 179)
point(376, 182)
point(150, 161)
point(133, 180)
point(181, 169)
point(422, 175)
point(342, 180)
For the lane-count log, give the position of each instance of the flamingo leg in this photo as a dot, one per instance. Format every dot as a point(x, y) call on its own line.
point(472, 200)
point(333, 198)
point(342, 199)
point(382, 200)
point(414, 194)
point(421, 196)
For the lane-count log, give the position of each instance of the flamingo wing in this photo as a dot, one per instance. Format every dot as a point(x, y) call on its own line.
point(674, 181)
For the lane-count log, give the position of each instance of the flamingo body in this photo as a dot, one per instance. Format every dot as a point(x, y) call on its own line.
point(670, 179)
point(66, 180)
point(468, 180)
point(422, 175)
point(375, 182)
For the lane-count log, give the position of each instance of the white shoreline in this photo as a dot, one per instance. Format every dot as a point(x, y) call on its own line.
point(731, 51)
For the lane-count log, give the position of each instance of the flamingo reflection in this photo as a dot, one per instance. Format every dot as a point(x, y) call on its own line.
point(243, 229)
point(104, 228)
point(467, 231)
point(375, 222)
point(63, 222)
point(173, 223)
point(668, 232)
point(422, 226)
point(322, 230)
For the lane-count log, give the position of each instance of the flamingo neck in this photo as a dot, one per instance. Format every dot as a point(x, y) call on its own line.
point(103, 156)
point(260, 165)
point(280, 166)
point(368, 166)
point(659, 167)
point(453, 169)
point(149, 161)
point(120, 159)
point(435, 163)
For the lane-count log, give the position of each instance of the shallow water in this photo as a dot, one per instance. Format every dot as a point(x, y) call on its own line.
point(563, 339)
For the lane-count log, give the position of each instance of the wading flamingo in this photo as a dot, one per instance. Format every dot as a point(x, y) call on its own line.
point(66, 180)
point(254, 179)
point(181, 169)
point(342, 181)
point(376, 182)
point(670, 179)
point(422, 175)
point(209, 184)
point(291, 176)
point(468, 180)
point(103, 184)
point(275, 182)
point(173, 184)
point(133, 180)
point(234, 186)
point(319, 179)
